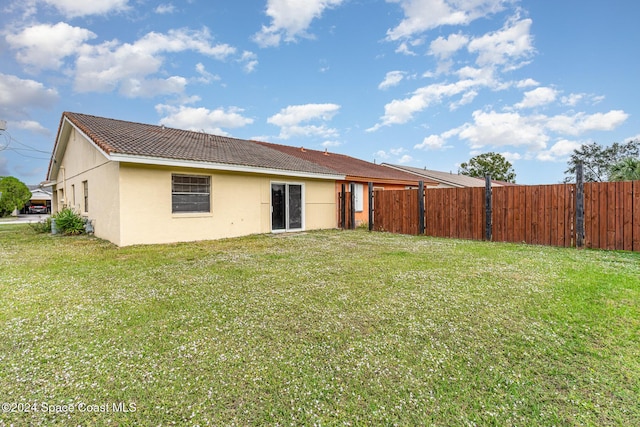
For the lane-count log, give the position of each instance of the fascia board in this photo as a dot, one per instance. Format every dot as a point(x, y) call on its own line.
point(159, 161)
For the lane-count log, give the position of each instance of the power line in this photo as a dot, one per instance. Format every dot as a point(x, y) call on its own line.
point(28, 147)
point(9, 139)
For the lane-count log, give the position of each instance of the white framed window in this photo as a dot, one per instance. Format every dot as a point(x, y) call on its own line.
point(85, 192)
point(358, 190)
point(190, 193)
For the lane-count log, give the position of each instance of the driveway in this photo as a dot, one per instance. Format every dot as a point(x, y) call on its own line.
point(24, 219)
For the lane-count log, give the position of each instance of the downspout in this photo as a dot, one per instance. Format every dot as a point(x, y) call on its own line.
point(64, 186)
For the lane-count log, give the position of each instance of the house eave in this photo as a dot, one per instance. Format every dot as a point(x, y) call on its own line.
point(62, 141)
point(160, 161)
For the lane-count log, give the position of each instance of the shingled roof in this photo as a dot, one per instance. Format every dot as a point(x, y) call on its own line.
point(448, 178)
point(136, 140)
point(350, 166)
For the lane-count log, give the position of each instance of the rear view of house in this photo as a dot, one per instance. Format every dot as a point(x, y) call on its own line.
point(141, 183)
point(358, 173)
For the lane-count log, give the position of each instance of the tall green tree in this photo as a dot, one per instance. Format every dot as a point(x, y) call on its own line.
point(598, 160)
point(15, 194)
point(625, 170)
point(491, 163)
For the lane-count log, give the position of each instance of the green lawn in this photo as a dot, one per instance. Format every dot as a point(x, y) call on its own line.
point(324, 328)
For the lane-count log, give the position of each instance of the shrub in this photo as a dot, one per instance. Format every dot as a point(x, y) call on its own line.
point(43, 226)
point(69, 222)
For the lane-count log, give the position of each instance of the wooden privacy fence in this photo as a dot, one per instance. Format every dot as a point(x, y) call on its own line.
point(593, 215)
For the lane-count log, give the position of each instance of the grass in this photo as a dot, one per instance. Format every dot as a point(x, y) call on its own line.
point(318, 328)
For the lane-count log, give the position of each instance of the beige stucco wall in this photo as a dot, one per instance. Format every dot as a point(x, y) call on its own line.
point(131, 203)
point(83, 162)
point(240, 205)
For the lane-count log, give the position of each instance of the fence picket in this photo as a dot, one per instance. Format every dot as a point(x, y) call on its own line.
point(543, 214)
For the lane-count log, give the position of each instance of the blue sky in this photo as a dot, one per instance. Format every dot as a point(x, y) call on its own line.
point(426, 83)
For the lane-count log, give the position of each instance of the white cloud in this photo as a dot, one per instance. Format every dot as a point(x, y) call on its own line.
point(533, 132)
point(504, 129)
point(511, 157)
point(580, 123)
point(467, 98)
point(559, 151)
point(250, 61)
point(75, 8)
point(31, 126)
point(444, 48)
point(509, 47)
point(111, 65)
point(19, 95)
point(424, 15)
point(148, 88)
point(405, 159)
point(431, 142)
point(573, 99)
point(393, 78)
point(202, 119)
point(205, 76)
point(291, 119)
point(537, 97)
point(44, 46)
point(502, 50)
point(404, 49)
point(182, 40)
point(290, 19)
point(295, 114)
point(400, 111)
point(526, 83)
point(164, 9)
point(381, 154)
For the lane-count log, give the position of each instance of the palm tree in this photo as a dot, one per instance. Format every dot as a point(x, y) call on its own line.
point(626, 170)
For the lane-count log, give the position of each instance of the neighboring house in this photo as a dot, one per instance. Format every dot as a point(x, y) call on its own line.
point(357, 172)
point(446, 179)
point(141, 183)
point(39, 197)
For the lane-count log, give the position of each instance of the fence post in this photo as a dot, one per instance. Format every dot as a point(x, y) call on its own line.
point(371, 206)
point(343, 207)
point(579, 205)
point(352, 212)
point(488, 204)
point(421, 208)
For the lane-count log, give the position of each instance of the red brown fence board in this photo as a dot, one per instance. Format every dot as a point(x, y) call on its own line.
point(455, 212)
point(396, 211)
point(542, 214)
point(612, 215)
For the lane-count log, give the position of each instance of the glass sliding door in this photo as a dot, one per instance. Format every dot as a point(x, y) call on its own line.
point(287, 207)
point(278, 207)
point(295, 207)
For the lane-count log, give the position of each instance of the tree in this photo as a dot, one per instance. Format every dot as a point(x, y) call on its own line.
point(15, 194)
point(493, 164)
point(599, 160)
point(625, 170)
